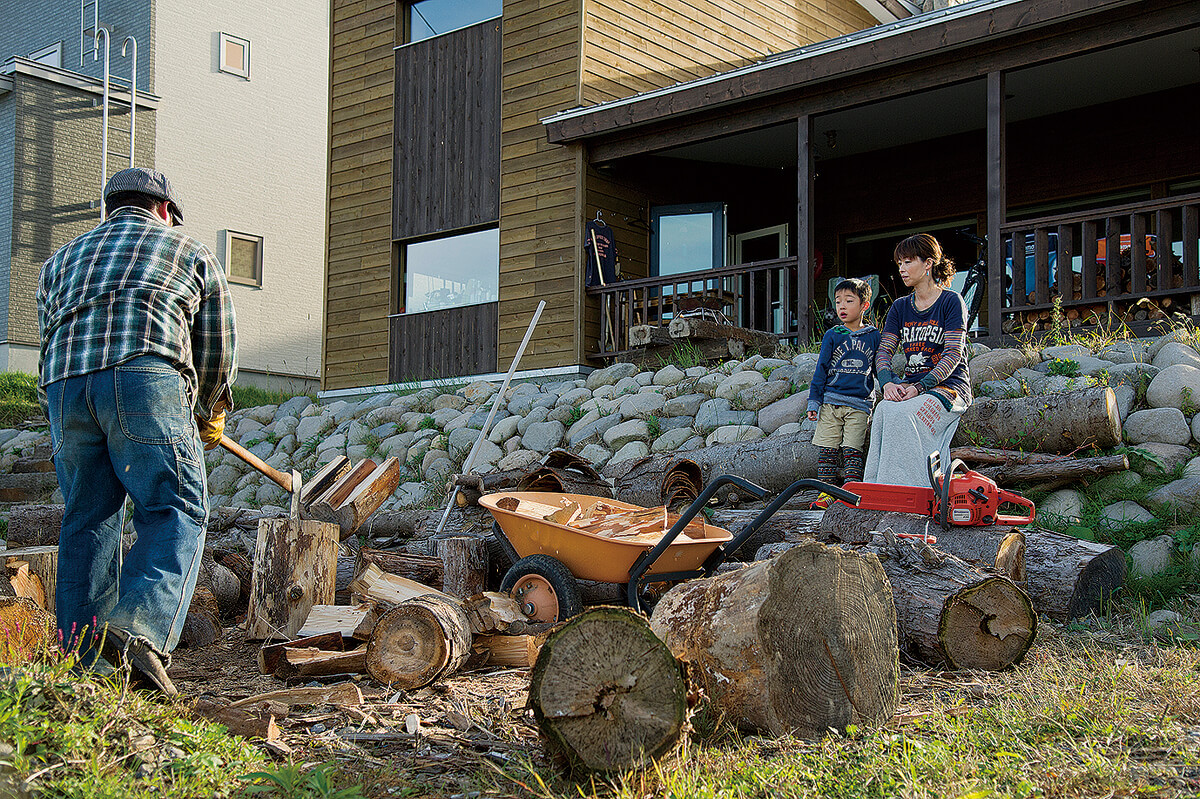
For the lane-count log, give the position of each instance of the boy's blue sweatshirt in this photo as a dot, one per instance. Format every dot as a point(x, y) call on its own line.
point(845, 369)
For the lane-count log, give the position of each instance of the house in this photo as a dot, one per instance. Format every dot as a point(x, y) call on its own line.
point(1061, 130)
point(232, 101)
point(450, 213)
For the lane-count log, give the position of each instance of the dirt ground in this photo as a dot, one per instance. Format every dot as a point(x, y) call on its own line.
point(431, 742)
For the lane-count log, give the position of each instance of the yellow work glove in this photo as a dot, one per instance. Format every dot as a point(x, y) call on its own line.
point(211, 429)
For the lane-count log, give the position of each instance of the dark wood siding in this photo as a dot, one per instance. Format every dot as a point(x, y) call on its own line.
point(436, 344)
point(447, 142)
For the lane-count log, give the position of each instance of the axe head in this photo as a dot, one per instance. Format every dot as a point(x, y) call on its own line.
point(297, 484)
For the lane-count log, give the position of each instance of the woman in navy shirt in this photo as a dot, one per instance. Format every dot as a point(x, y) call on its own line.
point(920, 409)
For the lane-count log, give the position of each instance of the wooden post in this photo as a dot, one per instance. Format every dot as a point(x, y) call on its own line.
point(464, 565)
point(997, 200)
point(295, 567)
point(805, 261)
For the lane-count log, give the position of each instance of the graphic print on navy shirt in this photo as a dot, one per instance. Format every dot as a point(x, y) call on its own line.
point(922, 335)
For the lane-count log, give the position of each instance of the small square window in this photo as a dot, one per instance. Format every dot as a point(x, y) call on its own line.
point(235, 55)
point(243, 258)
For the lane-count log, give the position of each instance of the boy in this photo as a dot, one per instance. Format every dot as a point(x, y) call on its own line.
point(843, 386)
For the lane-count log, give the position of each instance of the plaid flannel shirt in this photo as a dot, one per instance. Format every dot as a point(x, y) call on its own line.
point(133, 286)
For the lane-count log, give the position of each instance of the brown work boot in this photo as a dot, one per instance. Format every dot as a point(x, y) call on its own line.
point(146, 664)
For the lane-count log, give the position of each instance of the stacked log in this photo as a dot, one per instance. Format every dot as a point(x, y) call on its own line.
point(1064, 422)
point(1066, 578)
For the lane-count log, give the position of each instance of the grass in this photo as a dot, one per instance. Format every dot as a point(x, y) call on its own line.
point(18, 399)
point(1089, 713)
point(253, 397)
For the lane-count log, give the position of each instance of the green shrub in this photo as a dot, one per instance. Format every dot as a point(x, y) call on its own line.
point(1064, 367)
point(18, 399)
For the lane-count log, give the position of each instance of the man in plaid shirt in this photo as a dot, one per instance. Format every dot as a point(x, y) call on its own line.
point(138, 356)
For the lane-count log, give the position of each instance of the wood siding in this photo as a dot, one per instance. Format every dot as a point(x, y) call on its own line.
point(447, 143)
point(359, 284)
point(632, 46)
point(539, 185)
point(438, 344)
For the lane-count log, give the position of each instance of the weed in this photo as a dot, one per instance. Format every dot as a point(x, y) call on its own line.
point(293, 782)
point(427, 424)
point(684, 355)
point(1188, 404)
point(654, 427)
point(18, 399)
point(575, 415)
point(371, 444)
point(1064, 367)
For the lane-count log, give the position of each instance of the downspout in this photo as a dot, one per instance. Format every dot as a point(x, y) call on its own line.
point(103, 115)
point(132, 91)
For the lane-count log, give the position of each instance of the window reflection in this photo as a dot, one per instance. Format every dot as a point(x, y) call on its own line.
point(453, 271)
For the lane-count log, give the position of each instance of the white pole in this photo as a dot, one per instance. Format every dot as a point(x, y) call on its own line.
point(103, 115)
point(132, 91)
point(487, 424)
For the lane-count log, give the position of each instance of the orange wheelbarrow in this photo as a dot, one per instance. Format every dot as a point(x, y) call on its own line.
point(549, 556)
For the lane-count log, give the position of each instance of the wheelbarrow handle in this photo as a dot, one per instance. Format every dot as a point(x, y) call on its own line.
point(646, 559)
point(725, 550)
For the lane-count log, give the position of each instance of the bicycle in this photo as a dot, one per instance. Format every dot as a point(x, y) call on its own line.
point(975, 285)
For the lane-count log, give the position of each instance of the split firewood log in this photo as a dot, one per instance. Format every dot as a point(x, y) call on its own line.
point(419, 568)
point(1065, 577)
point(464, 565)
point(1047, 423)
point(418, 641)
point(16, 580)
point(797, 644)
point(270, 655)
point(26, 630)
point(606, 693)
point(309, 661)
point(948, 612)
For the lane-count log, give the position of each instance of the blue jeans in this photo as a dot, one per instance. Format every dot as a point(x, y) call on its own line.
point(124, 431)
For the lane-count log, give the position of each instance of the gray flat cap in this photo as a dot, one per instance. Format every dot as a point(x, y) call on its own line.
point(146, 181)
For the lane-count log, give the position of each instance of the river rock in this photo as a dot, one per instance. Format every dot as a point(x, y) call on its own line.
point(1129, 351)
point(1181, 495)
point(998, 364)
point(1153, 458)
point(617, 436)
point(684, 405)
point(1115, 485)
point(672, 439)
point(592, 432)
point(610, 375)
point(1168, 388)
point(1164, 425)
point(1125, 396)
point(762, 394)
point(1152, 556)
point(1123, 513)
point(1174, 353)
point(543, 436)
point(520, 459)
point(733, 385)
point(1179, 334)
point(788, 409)
point(453, 401)
point(596, 455)
point(633, 450)
point(730, 434)
point(576, 396)
point(504, 429)
point(1065, 504)
point(1071, 351)
point(669, 375)
point(641, 406)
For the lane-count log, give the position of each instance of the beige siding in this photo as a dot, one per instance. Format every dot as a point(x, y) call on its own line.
point(539, 185)
point(359, 282)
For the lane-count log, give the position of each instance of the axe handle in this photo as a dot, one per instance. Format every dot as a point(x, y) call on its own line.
point(280, 479)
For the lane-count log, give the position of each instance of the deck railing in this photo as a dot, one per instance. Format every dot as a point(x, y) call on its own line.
point(759, 295)
point(1069, 258)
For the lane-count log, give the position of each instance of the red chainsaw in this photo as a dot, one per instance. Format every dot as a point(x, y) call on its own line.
point(964, 498)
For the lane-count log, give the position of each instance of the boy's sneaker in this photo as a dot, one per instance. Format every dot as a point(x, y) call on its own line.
point(821, 502)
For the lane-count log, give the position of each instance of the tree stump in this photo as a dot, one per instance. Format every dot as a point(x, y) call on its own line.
point(1065, 577)
point(606, 693)
point(1046, 423)
point(950, 614)
point(464, 565)
point(418, 641)
point(295, 567)
point(798, 644)
point(43, 564)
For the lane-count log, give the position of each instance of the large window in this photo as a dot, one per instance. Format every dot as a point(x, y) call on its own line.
point(428, 18)
point(686, 238)
point(452, 271)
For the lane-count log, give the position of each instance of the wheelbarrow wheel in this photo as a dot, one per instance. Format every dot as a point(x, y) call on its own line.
point(544, 588)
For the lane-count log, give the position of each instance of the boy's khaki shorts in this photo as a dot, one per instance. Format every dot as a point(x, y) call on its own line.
point(841, 426)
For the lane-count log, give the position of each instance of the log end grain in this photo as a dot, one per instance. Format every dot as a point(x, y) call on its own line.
point(830, 621)
point(988, 626)
point(418, 641)
point(607, 693)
